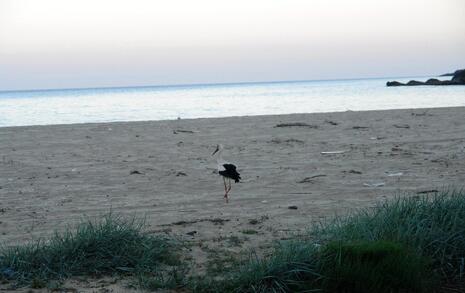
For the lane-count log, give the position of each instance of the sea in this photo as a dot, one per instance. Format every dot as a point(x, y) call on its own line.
point(67, 106)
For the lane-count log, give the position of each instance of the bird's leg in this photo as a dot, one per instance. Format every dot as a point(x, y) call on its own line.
point(225, 190)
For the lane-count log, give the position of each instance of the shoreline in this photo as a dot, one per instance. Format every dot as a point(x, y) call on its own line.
point(226, 117)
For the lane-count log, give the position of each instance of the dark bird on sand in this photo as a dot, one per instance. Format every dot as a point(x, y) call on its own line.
point(226, 170)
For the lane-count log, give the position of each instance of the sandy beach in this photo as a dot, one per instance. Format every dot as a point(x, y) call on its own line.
point(330, 163)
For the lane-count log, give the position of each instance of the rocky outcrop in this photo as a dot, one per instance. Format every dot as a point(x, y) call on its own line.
point(433, 81)
point(458, 78)
point(452, 73)
point(394, 83)
point(414, 82)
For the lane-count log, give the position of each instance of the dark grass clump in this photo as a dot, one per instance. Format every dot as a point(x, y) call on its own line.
point(291, 268)
point(380, 266)
point(433, 226)
point(113, 245)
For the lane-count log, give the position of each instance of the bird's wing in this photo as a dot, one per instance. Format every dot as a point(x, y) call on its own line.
point(230, 172)
point(229, 167)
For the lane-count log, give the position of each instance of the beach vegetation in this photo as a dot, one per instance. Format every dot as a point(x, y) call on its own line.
point(407, 244)
point(411, 243)
point(112, 245)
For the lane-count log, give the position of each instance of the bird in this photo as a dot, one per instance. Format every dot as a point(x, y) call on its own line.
point(226, 170)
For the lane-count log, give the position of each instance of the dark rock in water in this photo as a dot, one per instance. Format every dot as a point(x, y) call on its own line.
point(448, 82)
point(452, 73)
point(458, 78)
point(447, 74)
point(415, 82)
point(433, 81)
point(394, 83)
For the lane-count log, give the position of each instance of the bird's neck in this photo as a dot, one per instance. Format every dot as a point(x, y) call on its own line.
point(219, 157)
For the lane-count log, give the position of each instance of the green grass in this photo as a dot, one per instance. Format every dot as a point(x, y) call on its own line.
point(421, 238)
point(379, 266)
point(113, 245)
point(249, 231)
point(433, 226)
point(291, 268)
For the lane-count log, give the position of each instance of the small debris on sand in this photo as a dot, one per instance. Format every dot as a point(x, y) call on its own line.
point(296, 124)
point(216, 221)
point(360, 127)
point(258, 221)
point(398, 174)
point(331, 122)
point(310, 179)
point(401, 126)
point(333, 152)
point(191, 233)
point(292, 207)
point(181, 174)
point(182, 131)
point(288, 141)
point(428, 191)
point(422, 114)
point(376, 184)
point(377, 137)
point(133, 172)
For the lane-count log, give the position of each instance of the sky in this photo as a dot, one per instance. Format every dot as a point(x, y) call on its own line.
point(87, 43)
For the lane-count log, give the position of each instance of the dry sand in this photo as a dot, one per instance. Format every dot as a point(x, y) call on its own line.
point(53, 176)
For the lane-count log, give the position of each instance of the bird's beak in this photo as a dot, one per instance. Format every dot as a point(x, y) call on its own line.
point(215, 151)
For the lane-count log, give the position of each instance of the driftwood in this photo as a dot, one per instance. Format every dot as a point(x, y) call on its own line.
point(182, 131)
point(310, 179)
point(296, 124)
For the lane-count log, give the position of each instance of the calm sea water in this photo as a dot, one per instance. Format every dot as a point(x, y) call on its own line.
point(195, 101)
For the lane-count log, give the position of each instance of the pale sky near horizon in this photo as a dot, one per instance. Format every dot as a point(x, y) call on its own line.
point(85, 43)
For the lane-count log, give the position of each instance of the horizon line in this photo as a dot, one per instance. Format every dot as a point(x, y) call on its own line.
point(203, 84)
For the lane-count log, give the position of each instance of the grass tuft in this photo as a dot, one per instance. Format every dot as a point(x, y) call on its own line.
point(379, 266)
point(113, 245)
point(291, 268)
point(433, 226)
